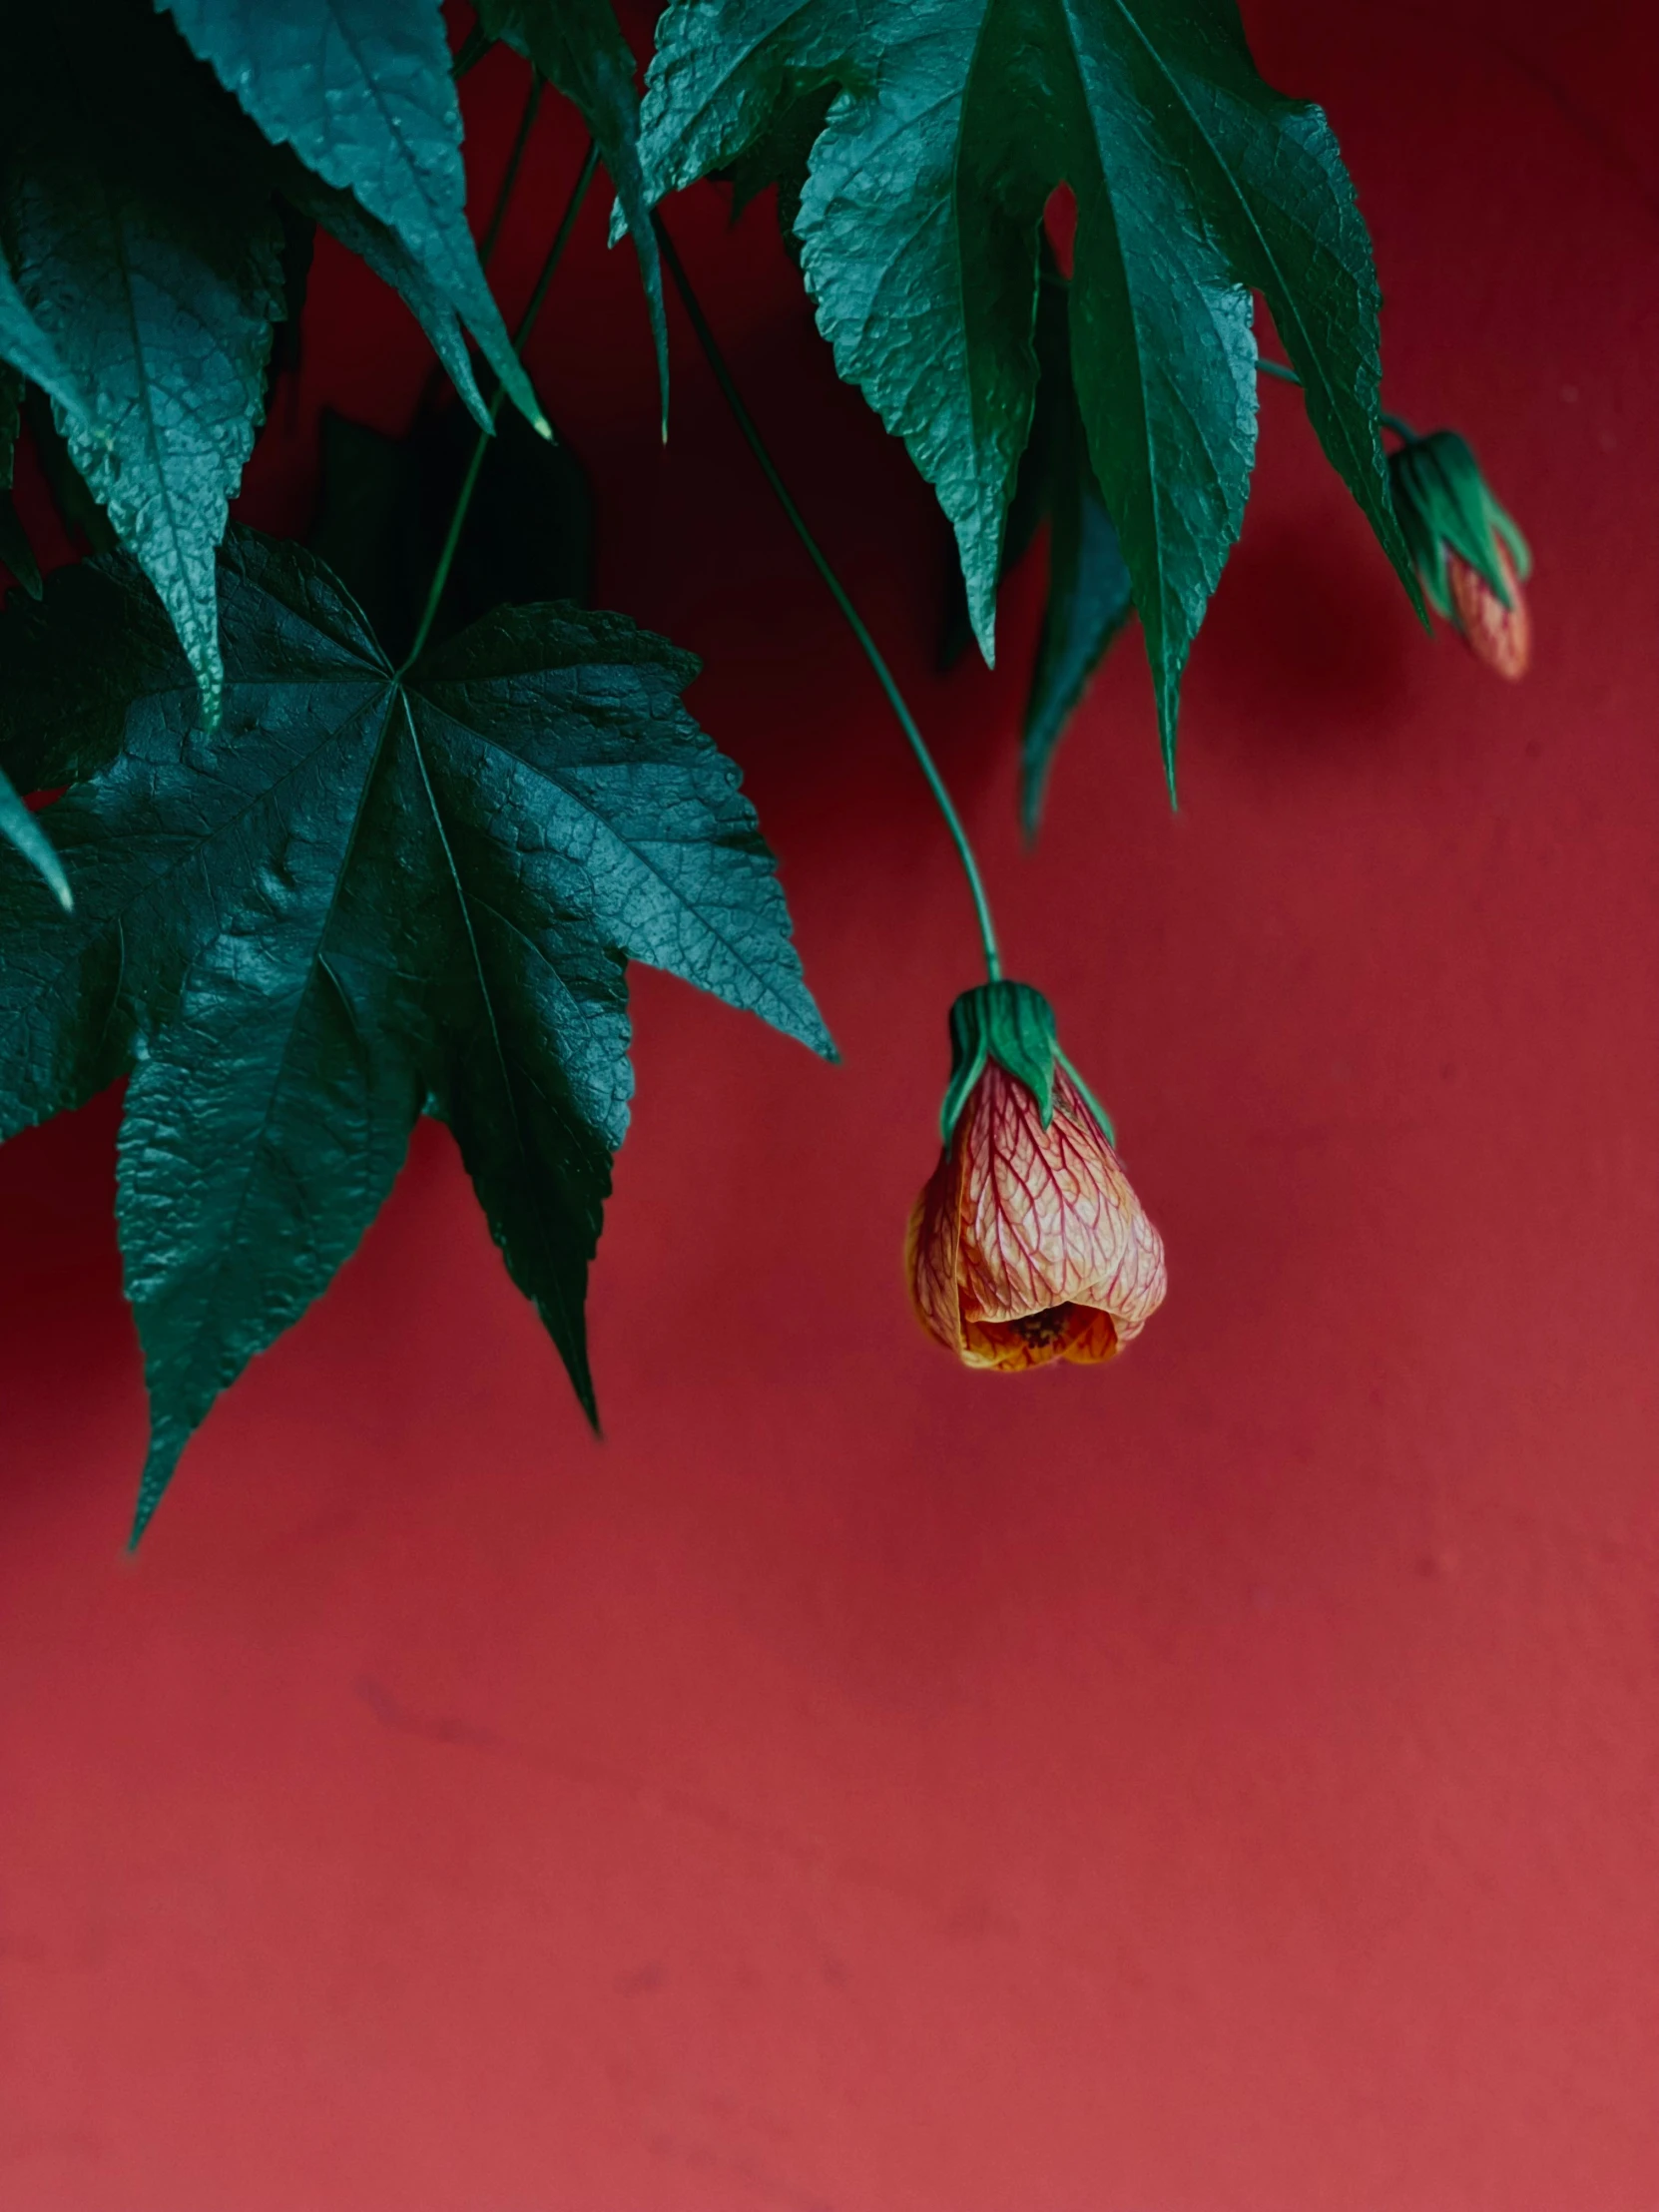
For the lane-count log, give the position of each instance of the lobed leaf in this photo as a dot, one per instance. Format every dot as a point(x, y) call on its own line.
point(578, 45)
point(951, 123)
point(383, 251)
point(368, 895)
point(362, 92)
point(146, 248)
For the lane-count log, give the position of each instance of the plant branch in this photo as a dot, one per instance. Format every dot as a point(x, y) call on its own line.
point(469, 483)
point(854, 621)
point(1287, 375)
point(471, 52)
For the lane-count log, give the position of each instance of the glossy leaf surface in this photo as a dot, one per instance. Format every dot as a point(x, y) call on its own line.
point(374, 242)
point(1195, 182)
point(578, 45)
point(366, 896)
point(361, 89)
point(1090, 594)
point(143, 243)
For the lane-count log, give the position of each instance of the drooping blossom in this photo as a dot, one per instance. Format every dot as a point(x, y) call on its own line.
point(1469, 556)
point(1028, 1244)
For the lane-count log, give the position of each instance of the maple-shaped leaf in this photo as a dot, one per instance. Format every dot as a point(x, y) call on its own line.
point(369, 895)
point(954, 121)
point(143, 243)
point(578, 45)
point(362, 92)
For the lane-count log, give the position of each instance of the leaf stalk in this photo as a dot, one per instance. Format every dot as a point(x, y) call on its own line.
point(469, 483)
point(872, 652)
point(1287, 375)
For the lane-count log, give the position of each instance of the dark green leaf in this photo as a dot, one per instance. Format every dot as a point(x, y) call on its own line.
point(1089, 589)
point(1089, 602)
point(20, 830)
point(578, 46)
point(342, 215)
point(82, 517)
point(919, 228)
point(30, 350)
point(365, 897)
point(15, 550)
point(1089, 595)
point(361, 89)
point(386, 505)
point(780, 155)
point(143, 243)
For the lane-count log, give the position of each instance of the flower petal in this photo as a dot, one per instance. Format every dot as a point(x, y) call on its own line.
point(1499, 636)
point(931, 1249)
point(1078, 1332)
point(1047, 1216)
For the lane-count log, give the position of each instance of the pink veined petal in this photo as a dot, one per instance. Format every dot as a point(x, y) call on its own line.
point(1048, 1218)
point(931, 1247)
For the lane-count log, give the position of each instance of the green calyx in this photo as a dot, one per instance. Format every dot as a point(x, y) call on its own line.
point(1012, 1024)
point(1446, 504)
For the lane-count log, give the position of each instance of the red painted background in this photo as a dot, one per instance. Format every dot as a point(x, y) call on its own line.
point(1225, 1783)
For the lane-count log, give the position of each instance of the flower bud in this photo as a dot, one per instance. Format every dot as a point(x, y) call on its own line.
point(1469, 556)
point(1028, 1244)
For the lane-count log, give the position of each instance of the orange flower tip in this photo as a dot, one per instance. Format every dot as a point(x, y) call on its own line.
point(1499, 637)
point(1463, 546)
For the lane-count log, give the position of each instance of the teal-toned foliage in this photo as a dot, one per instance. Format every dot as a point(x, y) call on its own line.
point(298, 881)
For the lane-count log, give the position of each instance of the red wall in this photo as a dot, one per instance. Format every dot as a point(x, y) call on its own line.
point(1225, 1783)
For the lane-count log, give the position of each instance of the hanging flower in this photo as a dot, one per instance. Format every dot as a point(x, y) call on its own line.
point(1028, 1244)
point(1470, 557)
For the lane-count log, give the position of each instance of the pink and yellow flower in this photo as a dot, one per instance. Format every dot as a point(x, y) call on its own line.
point(1028, 1244)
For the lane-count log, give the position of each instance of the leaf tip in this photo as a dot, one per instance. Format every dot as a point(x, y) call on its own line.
point(142, 1515)
point(165, 1445)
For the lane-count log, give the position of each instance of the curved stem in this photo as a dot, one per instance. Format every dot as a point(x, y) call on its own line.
point(469, 483)
point(854, 621)
point(1287, 375)
point(471, 52)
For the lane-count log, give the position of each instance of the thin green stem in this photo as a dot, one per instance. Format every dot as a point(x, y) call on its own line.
point(854, 621)
point(471, 52)
point(469, 483)
point(1287, 375)
point(515, 161)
